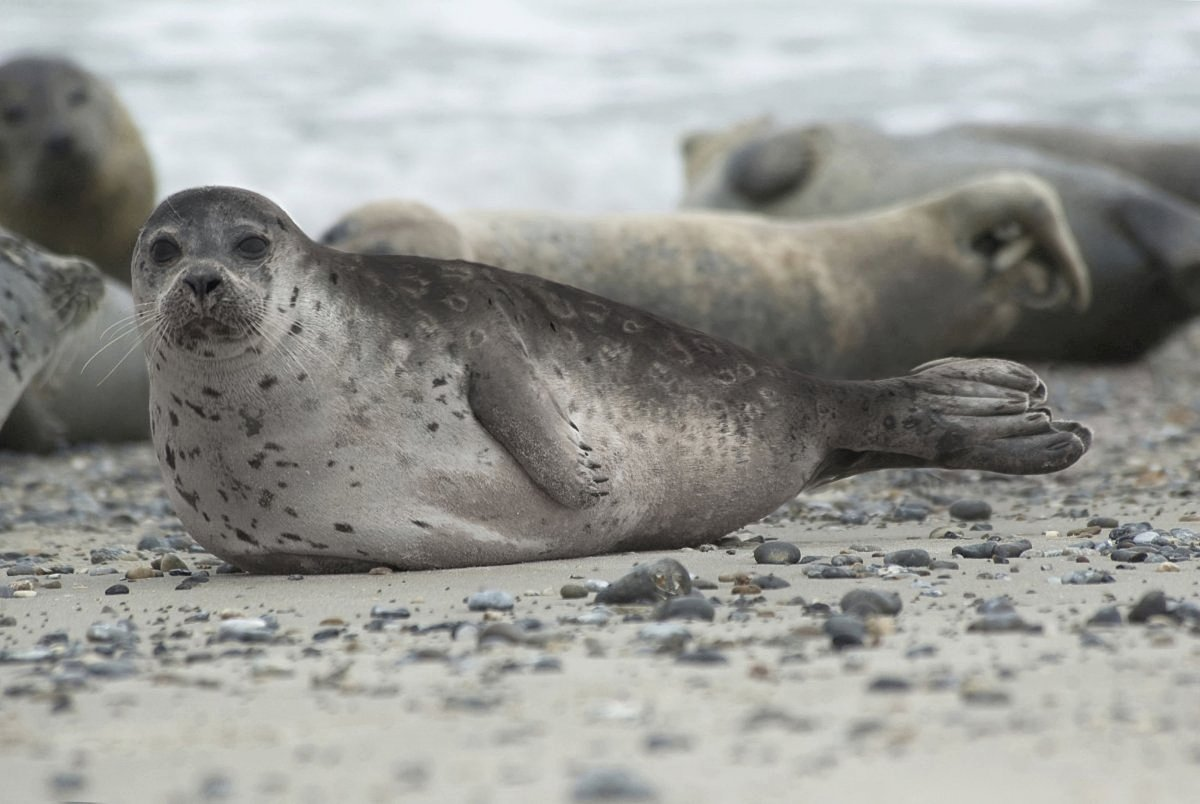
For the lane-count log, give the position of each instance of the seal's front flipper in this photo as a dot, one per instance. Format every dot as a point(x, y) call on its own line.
point(518, 409)
point(956, 414)
point(1167, 230)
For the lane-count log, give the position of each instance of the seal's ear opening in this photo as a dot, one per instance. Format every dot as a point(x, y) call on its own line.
point(764, 170)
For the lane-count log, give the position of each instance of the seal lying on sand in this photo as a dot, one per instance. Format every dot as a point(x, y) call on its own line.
point(43, 299)
point(76, 178)
point(1141, 243)
point(315, 410)
point(74, 174)
point(862, 296)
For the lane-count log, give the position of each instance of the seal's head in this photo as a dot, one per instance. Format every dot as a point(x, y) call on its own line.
point(56, 122)
point(206, 269)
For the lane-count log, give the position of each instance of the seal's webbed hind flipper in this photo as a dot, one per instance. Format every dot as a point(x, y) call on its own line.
point(956, 413)
point(517, 408)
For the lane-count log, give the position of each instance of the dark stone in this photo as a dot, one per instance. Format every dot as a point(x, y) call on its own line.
point(1107, 615)
point(1012, 549)
point(845, 631)
point(1102, 522)
point(611, 784)
point(913, 557)
point(1130, 555)
point(648, 584)
point(910, 512)
point(777, 553)
point(828, 572)
point(1152, 603)
point(117, 589)
point(491, 600)
point(572, 591)
point(970, 510)
point(685, 608)
point(981, 550)
point(769, 582)
point(390, 613)
point(889, 684)
point(702, 656)
point(861, 602)
point(943, 564)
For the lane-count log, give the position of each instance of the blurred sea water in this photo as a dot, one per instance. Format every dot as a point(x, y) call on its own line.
point(579, 104)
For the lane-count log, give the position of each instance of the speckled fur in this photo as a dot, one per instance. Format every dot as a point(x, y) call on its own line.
point(319, 411)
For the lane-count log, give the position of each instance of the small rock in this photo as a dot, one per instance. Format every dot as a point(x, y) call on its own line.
point(648, 584)
point(889, 684)
point(769, 582)
point(970, 510)
point(390, 613)
point(1088, 576)
point(491, 600)
point(102, 555)
point(170, 562)
point(139, 573)
point(685, 608)
point(572, 591)
point(845, 631)
point(861, 602)
point(981, 550)
point(153, 543)
point(908, 558)
point(611, 784)
point(1152, 603)
point(702, 656)
point(777, 553)
point(1102, 522)
point(117, 589)
point(1107, 615)
point(247, 629)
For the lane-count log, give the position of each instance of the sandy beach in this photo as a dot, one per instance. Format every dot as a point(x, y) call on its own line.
point(388, 687)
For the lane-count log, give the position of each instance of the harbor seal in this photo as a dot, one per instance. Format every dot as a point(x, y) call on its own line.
point(43, 299)
point(861, 296)
point(318, 411)
point(1141, 243)
point(74, 174)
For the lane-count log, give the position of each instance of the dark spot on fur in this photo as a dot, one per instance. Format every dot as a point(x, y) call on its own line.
point(331, 462)
point(439, 381)
point(290, 511)
point(421, 523)
point(302, 376)
point(296, 328)
point(342, 527)
point(318, 545)
point(212, 392)
point(433, 426)
point(199, 411)
point(224, 496)
point(257, 461)
point(245, 537)
point(251, 425)
point(291, 536)
point(333, 277)
point(169, 455)
point(295, 296)
point(266, 498)
point(271, 445)
point(889, 422)
point(287, 464)
point(267, 381)
point(191, 498)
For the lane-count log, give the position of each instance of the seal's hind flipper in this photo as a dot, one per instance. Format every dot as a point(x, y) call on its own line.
point(521, 412)
point(956, 414)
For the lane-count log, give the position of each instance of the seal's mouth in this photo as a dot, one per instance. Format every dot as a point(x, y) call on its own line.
point(207, 328)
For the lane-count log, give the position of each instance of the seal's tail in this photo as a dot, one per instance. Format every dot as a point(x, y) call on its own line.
point(956, 413)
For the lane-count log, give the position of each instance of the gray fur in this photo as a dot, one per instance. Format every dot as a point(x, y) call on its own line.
point(1141, 242)
point(861, 296)
point(320, 411)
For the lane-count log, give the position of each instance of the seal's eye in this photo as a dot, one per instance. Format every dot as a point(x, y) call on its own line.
point(163, 250)
point(13, 115)
point(251, 247)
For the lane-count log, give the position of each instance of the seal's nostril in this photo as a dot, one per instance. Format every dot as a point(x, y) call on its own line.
point(60, 144)
point(202, 283)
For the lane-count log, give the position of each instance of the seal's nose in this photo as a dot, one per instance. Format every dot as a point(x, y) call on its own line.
point(202, 282)
point(60, 144)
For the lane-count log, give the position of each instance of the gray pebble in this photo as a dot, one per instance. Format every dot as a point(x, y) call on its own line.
point(247, 629)
point(1012, 549)
point(777, 553)
point(970, 510)
point(685, 608)
point(390, 613)
point(910, 512)
point(1108, 615)
point(102, 571)
point(491, 600)
point(861, 602)
point(845, 631)
point(1152, 603)
point(22, 569)
point(769, 582)
point(943, 564)
point(908, 558)
point(102, 555)
point(981, 550)
point(573, 591)
point(648, 584)
point(702, 656)
point(1102, 522)
point(889, 684)
point(153, 543)
point(611, 784)
point(1088, 576)
point(117, 589)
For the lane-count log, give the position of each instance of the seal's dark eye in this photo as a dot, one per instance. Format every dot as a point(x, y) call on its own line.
point(163, 250)
point(13, 115)
point(251, 247)
point(77, 97)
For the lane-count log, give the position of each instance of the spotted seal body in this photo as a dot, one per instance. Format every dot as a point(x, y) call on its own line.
point(1141, 242)
point(860, 296)
point(74, 173)
point(321, 411)
point(43, 299)
point(76, 177)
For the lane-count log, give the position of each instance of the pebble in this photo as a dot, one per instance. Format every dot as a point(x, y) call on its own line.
point(746, 589)
point(117, 589)
point(247, 629)
point(102, 571)
point(22, 569)
point(611, 784)
point(975, 691)
point(595, 584)
point(829, 572)
point(861, 602)
point(597, 616)
point(981, 550)
point(390, 613)
point(648, 584)
point(889, 684)
point(171, 562)
point(1152, 603)
point(769, 582)
point(120, 633)
point(777, 553)
point(1088, 576)
point(670, 634)
point(685, 608)
point(702, 656)
point(1000, 616)
point(491, 600)
point(102, 555)
point(153, 542)
point(139, 573)
point(908, 558)
point(943, 564)
point(970, 510)
point(945, 533)
point(572, 591)
point(910, 512)
point(845, 631)
point(1102, 522)
point(1107, 615)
